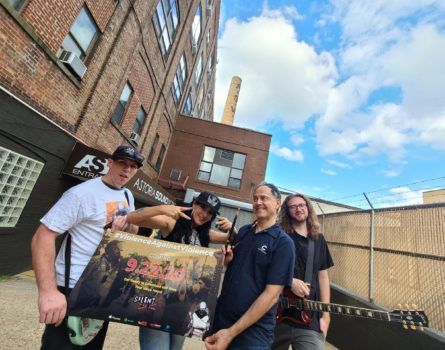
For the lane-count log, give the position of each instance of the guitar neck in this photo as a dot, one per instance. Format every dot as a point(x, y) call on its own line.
point(346, 310)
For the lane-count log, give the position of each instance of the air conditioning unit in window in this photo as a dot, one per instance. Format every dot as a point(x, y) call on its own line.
point(209, 10)
point(73, 62)
point(134, 137)
point(175, 174)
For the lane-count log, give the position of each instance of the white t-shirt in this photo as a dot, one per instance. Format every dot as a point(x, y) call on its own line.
point(84, 210)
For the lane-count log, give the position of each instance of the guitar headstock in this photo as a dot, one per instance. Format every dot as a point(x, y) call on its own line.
point(410, 318)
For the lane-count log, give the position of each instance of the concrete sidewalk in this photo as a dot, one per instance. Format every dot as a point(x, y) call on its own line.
point(20, 328)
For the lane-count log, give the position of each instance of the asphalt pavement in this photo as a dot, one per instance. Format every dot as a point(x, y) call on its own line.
point(20, 328)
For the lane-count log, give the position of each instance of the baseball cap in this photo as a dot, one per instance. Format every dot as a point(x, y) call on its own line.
point(209, 199)
point(128, 152)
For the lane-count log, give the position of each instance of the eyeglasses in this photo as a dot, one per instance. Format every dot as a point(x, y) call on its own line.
point(299, 206)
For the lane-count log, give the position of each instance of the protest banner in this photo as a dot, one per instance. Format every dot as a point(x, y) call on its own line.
point(150, 283)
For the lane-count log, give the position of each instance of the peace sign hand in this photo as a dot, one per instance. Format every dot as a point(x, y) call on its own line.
point(175, 212)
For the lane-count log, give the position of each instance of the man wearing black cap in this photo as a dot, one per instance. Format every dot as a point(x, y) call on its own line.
point(83, 211)
point(181, 225)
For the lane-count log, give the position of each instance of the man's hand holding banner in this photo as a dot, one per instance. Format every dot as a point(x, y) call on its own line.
point(151, 283)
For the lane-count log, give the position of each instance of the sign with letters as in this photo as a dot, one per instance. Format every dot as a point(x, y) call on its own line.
point(87, 163)
point(150, 283)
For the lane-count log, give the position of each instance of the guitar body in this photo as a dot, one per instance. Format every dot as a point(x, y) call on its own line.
point(83, 330)
point(290, 308)
point(299, 311)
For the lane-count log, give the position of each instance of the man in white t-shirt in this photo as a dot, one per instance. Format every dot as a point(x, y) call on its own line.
point(83, 211)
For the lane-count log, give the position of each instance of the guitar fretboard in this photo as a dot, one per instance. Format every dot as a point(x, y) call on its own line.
point(346, 310)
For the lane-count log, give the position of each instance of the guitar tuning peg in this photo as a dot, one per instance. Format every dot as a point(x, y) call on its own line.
point(399, 306)
point(414, 307)
point(420, 326)
point(407, 306)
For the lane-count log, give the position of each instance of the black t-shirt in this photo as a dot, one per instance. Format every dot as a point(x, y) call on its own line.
point(322, 261)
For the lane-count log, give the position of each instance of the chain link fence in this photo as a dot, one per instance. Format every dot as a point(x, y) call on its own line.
point(391, 256)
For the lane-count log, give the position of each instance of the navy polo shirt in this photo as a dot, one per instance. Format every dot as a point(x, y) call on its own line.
point(266, 257)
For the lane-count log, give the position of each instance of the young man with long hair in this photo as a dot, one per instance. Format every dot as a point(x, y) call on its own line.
point(299, 220)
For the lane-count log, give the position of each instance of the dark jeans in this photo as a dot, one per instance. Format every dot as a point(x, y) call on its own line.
point(298, 338)
point(56, 338)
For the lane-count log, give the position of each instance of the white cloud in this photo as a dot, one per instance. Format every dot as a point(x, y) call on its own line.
point(399, 196)
point(296, 139)
point(328, 172)
point(390, 173)
point(396, 44)
point(284, 80)
point(287, 153)
point(339, 164)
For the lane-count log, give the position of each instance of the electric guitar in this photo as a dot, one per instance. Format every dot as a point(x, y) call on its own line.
point(82, 330)
point(298, 311)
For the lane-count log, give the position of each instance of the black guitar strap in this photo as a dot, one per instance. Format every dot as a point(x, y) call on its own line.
point(310, 261)
point(67, 263)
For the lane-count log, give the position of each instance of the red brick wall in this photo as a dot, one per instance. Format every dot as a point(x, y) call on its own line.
point(187, 145)
point(127, 50)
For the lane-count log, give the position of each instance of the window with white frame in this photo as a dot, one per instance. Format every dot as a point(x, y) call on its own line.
point(154, 145)
point(198, 71)
point(179, 80)
point(221, 167)
point(160, 158)
point(139, 122)
point(18, 175)
point(188, 105)
point(166, 20)
point(17, 4)
point(121, 106)
point(82, 34)
point(196, 27)
point(199, 103)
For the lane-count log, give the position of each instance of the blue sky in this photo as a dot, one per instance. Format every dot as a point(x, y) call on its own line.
point(352, 91)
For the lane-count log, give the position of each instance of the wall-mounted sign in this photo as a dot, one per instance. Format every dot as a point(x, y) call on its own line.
point(87, 163)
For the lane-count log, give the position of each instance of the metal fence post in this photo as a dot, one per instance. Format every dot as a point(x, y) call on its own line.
point(322, 215)
point(371, 253)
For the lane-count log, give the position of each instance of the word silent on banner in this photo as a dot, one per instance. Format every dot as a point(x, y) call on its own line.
point(151, 283)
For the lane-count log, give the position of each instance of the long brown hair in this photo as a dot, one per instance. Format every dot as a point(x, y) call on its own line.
point(285, 221)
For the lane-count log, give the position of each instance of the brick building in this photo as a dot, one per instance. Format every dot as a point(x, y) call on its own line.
point(97, 74)
point(224, 159)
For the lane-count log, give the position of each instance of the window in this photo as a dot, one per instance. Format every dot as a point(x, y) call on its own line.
point(139, 122)
point(153, 148)
point(160, 158)
point(17, 4)
point(209, 69)
point(82, 35)
point(188, 106)
point(18, 175)
point(166, 22)
point(179, 80)
point(121, 105)
point(198, 71)
point(221, 167)
point(199, 103)
point(196, 28)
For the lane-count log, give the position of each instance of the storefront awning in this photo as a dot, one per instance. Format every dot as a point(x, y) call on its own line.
point(87, 163)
